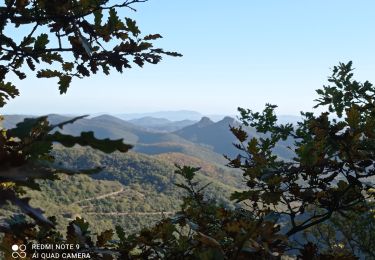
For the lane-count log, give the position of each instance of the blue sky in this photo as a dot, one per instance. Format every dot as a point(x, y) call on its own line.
point(236, 53)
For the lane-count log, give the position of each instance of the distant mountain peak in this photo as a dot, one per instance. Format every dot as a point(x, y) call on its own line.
point(106, 116)
point(170, 115)
point(227, 121)
point(205, 121)
point(150, 120)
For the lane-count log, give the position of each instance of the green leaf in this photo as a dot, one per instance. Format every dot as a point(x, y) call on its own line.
point(51, 57)
point(83, 70)
point(104, 238)
point(47, 73)
point(114, 23)
point(105, 69)
point(68, 66)
point(30, 63)
point(98, 16)
point(187, 172)
point(88, 139)
point(152, 37)
point(120, 233)
point(7, 91)
point(25, 128)
point(27, 41)
point(240, 134)
point(353, 117)
point(271, 197)
point(20, 75)
point(41, 41)
point(144, 46)
point(132, 27)
point(64, 83)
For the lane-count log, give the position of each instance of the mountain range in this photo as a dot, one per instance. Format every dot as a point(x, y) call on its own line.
point(169, 115)
point(181, 115)
point(135, 189)
point(161, 124)
point(205, 139)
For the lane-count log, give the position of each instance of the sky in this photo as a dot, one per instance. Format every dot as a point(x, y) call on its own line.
point(236, 53)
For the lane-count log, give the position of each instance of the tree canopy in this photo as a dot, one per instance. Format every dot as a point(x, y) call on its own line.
point(68, 39)
point(334, 155)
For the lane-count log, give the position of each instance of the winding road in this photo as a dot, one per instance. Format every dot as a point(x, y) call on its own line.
point(131, 213)
point(101, 196)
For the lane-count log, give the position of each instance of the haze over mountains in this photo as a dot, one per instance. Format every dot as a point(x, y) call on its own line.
point(178, 115)
point(161, 124)
point(204, 139)
point(181, 115)
point(145, 140)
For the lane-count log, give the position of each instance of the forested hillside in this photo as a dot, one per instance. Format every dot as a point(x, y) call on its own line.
point(134, 190)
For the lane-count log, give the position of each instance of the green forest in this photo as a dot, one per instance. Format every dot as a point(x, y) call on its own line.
point(241, 188)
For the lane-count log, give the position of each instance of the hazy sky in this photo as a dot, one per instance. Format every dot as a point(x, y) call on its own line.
point(236, 53)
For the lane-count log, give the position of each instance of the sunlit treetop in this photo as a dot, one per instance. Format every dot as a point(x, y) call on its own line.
point(64, 39)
